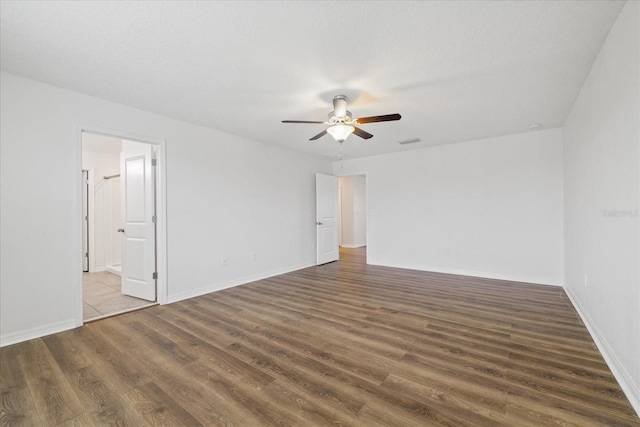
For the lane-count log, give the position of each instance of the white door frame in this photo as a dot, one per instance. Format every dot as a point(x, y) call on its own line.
point(85, 220)
point(161, 209)
point(91, 218)
point(366, 191)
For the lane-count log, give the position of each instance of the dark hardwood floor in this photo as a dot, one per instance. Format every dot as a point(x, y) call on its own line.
point(340, 344)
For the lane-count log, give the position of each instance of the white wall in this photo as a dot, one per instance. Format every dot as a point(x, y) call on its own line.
point(359, 183)
point(103, 193)
point(490, 208)
point(602, 172)
point(113, 247)
point(346, 211)
point(226, 197)
point(353, 205)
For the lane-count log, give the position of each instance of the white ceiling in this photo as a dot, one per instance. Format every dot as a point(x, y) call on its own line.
point(455, 70)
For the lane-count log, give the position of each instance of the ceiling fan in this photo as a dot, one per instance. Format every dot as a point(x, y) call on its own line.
point(342, 124)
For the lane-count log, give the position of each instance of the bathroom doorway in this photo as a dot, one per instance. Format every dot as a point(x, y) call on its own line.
point(105, 291)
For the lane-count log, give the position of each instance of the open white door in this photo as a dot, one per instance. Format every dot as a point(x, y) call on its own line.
point(327, 218)
point(137, 181)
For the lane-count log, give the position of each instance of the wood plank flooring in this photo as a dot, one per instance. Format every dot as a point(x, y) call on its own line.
point(340, 344)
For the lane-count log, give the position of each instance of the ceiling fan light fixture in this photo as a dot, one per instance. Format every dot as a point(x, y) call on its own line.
point(340, 132)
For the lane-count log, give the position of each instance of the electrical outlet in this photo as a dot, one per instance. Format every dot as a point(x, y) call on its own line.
point(586, 282)
point(225, 261)
point(253, 256)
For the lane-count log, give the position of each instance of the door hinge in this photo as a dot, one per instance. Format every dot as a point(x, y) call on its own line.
point(154, 162)
point(86, 255)
point(154, 219)
point(155, 275)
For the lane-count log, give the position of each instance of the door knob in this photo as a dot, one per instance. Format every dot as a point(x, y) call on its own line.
point(120, 230)
point(318, 223)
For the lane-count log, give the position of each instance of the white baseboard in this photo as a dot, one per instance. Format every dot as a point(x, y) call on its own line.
point(112, 270)
point(357, 245)
point(472, 273)
point(230, 284)
point(41, 331)
point(630, 388)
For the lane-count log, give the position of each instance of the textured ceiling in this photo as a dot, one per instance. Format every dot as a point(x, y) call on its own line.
point(456, 71)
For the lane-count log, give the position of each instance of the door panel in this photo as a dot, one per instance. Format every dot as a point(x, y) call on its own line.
point(326, 218)
point(328, 243)
point(138, 210)
point(135, 200)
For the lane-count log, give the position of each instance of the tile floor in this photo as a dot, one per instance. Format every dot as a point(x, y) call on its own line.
point(101, 296)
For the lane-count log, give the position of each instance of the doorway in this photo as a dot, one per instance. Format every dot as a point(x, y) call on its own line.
point(121, 183)
point(341, 215)
point(352, 190)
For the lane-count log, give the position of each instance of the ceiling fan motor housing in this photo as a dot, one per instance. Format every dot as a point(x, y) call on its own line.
point(335, 118)
point(340, 106)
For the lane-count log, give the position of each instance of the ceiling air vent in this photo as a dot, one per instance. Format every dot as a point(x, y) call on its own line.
point(409, 141)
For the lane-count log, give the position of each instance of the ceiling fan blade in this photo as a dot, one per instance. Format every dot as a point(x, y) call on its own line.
point(361, 133)
point(385, 118)
point(318, 136)
point(300, 121)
